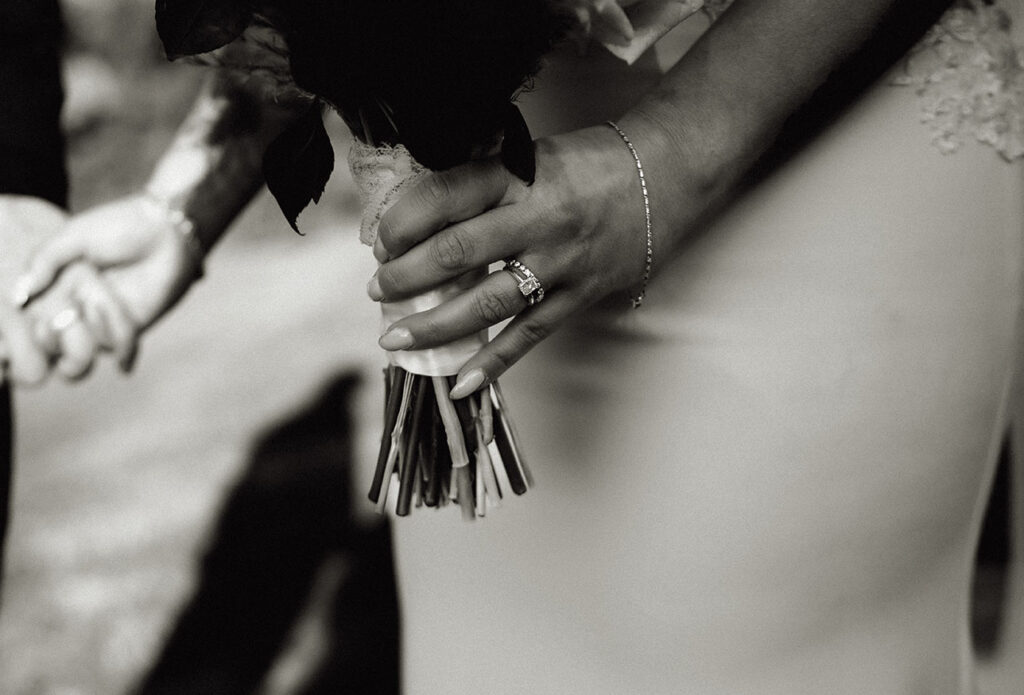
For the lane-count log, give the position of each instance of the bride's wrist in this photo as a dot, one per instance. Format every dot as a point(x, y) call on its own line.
point(685, 178)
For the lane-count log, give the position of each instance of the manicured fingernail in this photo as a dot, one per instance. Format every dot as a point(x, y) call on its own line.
point(21, 291)
point(467, 383)
point(373, 289)
point(379, 252)
point(396, 339)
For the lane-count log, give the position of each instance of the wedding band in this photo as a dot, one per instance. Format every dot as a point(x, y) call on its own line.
point(529, 285)
point(64, 319)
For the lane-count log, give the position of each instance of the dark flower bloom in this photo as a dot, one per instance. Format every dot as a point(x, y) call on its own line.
point(437, 76)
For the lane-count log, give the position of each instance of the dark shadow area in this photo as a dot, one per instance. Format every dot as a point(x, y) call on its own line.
point(992, 561)
point(283, 521)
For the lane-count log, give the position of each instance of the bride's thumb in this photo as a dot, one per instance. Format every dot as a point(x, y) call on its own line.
point(45, 266)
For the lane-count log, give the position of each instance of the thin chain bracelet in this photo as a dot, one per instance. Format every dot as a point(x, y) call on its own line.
point(184, 227)
point(639, 298)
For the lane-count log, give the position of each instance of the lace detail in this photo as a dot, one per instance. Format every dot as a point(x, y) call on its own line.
point(381, 174)
point(970, 75)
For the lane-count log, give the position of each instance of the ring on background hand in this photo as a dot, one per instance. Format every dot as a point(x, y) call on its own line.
point(65, 319)
point(529, 285)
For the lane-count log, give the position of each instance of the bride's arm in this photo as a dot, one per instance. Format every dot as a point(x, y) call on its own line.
point(578, 227)
point(725, 103)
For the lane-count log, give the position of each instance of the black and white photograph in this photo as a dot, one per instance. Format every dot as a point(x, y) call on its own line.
point(508, 347)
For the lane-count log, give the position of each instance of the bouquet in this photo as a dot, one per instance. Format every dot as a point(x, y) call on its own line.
point(423, 85)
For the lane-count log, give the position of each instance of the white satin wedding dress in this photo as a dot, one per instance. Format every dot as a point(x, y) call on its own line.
point(769, 479)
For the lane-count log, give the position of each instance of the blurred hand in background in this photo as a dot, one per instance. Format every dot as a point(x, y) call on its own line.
point(111, 272)
point(24, 221)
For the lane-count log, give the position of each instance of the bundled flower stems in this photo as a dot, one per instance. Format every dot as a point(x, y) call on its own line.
point(422, 85)
point(438, 451)
point(434, 450)
point(434, 83)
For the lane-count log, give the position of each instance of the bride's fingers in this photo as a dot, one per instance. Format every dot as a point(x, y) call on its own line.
point(448, 254)
point(491, 301)
point(45, 265)
point(440, 199)
point(512, 343)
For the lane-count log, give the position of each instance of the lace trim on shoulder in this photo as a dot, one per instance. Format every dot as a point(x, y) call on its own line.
point(970, 75)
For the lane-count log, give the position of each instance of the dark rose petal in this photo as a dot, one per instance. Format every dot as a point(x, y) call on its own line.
point(517, 152)
point(189, 27)
point(298, 164)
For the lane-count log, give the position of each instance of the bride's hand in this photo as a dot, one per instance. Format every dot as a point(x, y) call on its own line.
point(580, 228)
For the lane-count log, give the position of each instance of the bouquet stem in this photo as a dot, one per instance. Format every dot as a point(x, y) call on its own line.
point(435, 449)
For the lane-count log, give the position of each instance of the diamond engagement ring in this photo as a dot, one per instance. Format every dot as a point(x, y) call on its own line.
point(529, 285)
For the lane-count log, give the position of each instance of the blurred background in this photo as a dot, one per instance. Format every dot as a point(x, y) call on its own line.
point(124, 484)
point(184, 530)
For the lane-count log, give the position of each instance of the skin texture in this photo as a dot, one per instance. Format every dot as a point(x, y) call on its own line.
point(701, 130)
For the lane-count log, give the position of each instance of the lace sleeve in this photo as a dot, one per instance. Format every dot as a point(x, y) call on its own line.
point(969, 73)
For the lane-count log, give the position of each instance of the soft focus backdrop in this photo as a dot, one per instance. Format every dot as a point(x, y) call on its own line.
point(119, 480)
